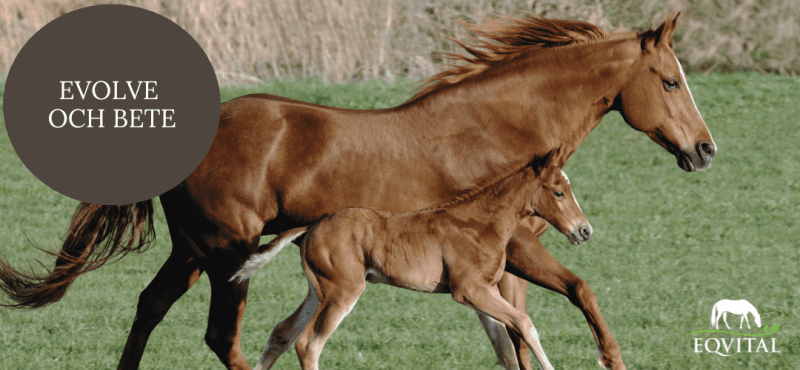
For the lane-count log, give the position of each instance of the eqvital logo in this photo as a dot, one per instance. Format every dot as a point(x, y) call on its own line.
point(727, 343)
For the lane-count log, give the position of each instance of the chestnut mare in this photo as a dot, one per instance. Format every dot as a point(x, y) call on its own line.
point(277, 164)
point(457, 248)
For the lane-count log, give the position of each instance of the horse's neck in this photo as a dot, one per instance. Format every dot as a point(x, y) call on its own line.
point(530, 105)
point(500, 206)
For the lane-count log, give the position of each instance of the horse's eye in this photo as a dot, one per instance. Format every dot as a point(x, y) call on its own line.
point(558, 194)
point(671, 85)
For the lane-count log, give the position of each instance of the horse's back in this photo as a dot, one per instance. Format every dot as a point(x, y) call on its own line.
point(278, 163)
point(321, 159)
point(233, 189)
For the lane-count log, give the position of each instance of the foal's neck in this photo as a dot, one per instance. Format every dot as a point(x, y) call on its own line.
point(503, 205)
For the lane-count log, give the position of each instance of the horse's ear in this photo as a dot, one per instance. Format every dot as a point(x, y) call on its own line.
point(662, 34)
point(669, 29)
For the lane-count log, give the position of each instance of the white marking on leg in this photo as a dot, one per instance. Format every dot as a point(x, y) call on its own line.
point(538, 351)
point(599, 358)
point(535, 334)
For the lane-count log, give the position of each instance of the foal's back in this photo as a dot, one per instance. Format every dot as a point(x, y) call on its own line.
point(396, 249)
point(421, 250)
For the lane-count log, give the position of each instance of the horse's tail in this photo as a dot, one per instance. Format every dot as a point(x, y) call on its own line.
point(714, 314)
point(267, 252)
point(96, 235)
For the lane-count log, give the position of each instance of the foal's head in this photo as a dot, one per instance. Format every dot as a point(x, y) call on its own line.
point(656, 100)
point(557, 204)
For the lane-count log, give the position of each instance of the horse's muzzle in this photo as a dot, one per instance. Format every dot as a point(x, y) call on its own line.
point(580, 234)
point(697, 159)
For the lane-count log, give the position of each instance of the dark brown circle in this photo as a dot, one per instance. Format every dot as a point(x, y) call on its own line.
point(111, 165)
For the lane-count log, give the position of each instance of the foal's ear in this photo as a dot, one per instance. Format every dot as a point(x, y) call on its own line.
point(560, 156)
point(540, 163)
point(662, 34)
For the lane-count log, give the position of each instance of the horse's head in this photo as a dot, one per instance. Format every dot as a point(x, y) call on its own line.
point(557, 204)
point(656, 99)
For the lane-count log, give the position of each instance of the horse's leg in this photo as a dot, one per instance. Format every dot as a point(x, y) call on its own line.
point(514, 291)
point(228, 299)
point(285, 333)
point(725, 318)
point(501, 341)
point(488, 300)
point(528, 259)
point(175, 277)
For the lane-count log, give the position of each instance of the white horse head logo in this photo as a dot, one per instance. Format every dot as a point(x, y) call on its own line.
point(740, 307)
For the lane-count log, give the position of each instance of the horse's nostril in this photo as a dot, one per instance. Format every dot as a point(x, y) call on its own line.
point(586, 232)
point(707, 149)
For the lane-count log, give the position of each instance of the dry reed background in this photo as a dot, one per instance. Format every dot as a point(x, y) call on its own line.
point(344, 40)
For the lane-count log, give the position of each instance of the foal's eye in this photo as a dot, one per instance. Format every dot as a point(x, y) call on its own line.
point(671, 85)
point(558, 194)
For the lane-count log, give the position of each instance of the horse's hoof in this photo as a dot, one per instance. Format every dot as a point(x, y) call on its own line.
point(606, 363)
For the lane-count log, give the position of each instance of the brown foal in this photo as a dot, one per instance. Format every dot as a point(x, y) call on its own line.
point(457, 248)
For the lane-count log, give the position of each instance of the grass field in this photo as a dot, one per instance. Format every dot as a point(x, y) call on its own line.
point(667, 245)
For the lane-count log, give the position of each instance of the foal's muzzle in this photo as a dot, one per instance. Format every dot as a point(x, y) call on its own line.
point(580, 234)
point(697, 159)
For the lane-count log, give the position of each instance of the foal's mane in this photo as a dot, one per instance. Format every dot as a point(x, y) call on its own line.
point(488, 184)
point(507, 38)
point(472, 192)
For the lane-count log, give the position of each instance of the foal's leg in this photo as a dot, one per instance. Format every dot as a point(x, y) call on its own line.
point(514, 291)
point(336, 300)
point(285, 333)
point(175, 277)
point(503, 346)
point(527, 258)
point(488, 300)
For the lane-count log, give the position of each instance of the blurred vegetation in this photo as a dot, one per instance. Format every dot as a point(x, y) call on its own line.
point(249, 41)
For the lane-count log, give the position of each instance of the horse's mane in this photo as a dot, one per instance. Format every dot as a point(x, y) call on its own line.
point(507, 38)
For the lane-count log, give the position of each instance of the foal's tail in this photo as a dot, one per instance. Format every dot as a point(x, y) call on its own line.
point(96, 235)
point(267, 252)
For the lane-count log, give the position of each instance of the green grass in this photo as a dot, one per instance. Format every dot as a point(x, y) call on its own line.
point(667, 245)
